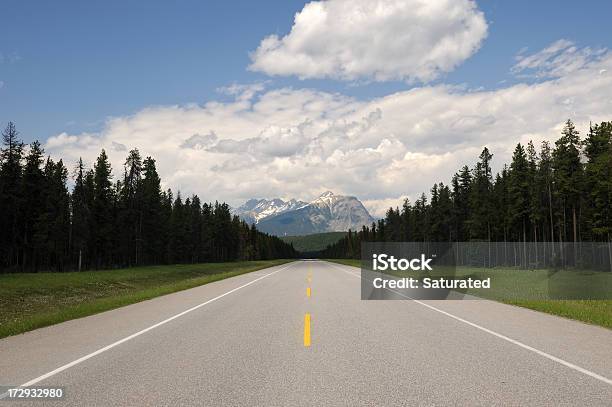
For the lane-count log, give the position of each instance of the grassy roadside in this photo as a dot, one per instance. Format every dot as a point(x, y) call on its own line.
point(597, 312)
point(30, 301)
point(346, 262)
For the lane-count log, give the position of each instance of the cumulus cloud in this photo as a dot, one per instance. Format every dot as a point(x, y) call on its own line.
point(69, 142)
point(411, 40)
point(300, 142)
point(273, 141)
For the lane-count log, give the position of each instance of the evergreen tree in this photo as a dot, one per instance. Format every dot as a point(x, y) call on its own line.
point(103, 222)
point(32, 204)
point(54, 224)
point(11, 156)
point(544, 180)
point(394, 225)
point(598, 180)
point(501, 210)
point(152, 218)
point(406, 223)
point(479, 198)
point(81, 214)
point(535, 195)
point(462, 183)
point(518, 191)
point(129, 216)
point(177, 233)
point(568, 174)
point(444, 213)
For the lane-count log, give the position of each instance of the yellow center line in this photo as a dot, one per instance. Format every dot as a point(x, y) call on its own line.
point(308, 291)
point(306, 329)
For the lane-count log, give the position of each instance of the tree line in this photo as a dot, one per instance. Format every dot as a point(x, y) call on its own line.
point(106, 224)
point(561, 193)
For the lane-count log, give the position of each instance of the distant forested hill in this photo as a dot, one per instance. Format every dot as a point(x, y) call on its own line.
point(315, 242)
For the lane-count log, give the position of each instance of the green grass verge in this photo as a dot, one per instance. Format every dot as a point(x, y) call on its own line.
point(29, 301)
point(346, 262)
point(533, 284)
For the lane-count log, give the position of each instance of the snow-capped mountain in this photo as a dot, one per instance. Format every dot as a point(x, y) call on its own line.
point(327, 213)
point(254, 210)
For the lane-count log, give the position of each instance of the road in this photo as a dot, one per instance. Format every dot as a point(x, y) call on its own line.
point(243, 341)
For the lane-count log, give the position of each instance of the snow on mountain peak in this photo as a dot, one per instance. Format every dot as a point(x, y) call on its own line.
point(328, 212)
point(255, 210)
point(326, 198)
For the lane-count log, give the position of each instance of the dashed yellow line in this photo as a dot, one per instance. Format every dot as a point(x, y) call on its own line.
point(306, 329)
point(307, 316)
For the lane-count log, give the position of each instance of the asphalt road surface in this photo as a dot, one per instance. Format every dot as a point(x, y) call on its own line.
point(261, 339)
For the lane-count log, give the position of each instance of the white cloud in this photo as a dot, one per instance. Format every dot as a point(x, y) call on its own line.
point(558, 59)
point(379, 207)
point(199, 141)
point(73, 142)
point(118, 146)
point(241, 91)
point(411, 40)
point(301, 142)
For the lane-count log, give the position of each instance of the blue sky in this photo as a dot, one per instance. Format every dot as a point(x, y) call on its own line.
point(236, 99)
point(68, 65)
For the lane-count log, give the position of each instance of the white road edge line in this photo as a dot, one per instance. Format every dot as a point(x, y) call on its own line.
point(127, 338)
point(504, 337)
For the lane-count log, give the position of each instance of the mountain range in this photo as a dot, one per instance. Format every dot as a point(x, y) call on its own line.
point(327, 213)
